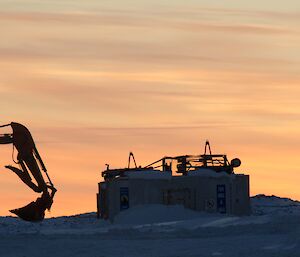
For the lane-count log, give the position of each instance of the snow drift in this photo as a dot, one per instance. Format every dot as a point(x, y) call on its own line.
point(155, 230)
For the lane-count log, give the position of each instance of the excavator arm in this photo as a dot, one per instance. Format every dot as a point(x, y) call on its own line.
point(30, 166)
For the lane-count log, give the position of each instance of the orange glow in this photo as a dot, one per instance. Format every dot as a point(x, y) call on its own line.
point(95, 81)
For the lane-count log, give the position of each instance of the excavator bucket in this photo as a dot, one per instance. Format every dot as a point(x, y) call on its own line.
point(31, 164)
point(30, 212)
point(34, 211)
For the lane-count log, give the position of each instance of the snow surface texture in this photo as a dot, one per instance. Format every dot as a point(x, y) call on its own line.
point(155, 230)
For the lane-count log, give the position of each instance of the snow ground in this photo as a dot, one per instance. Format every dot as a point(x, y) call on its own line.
point(272, 230)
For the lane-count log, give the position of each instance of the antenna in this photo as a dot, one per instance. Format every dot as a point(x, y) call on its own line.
point(129, 158)
point(207, 146)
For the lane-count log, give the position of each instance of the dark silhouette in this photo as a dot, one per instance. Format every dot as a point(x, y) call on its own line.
point(29, 160)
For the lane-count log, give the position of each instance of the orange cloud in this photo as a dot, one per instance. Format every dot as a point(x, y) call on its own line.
point(93, 84)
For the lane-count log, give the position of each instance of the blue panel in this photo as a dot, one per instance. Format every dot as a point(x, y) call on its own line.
point(221, 198)
point(124, 198)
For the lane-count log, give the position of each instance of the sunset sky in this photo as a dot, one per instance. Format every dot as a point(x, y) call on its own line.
point(94, 80)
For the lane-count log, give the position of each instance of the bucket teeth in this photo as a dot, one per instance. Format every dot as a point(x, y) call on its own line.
point(34, 211)
point(30, 212)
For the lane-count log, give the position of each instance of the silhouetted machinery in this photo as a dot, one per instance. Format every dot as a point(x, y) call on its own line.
point(203, 182)
point(29, 161)
point(188, 163)
point(181, 164)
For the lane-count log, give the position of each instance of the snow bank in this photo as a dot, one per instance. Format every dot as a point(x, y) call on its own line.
point(154, 213)
point(77, 224)
point(263, 204)
point(151, 174)
point(160, 231)
point(176, 216)
point(209, 173)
